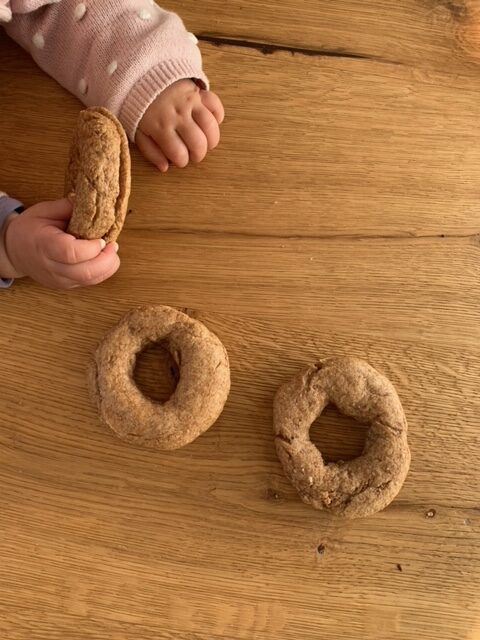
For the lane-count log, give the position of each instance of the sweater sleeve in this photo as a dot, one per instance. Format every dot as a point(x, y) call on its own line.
point(7, 207)
point(120, 54)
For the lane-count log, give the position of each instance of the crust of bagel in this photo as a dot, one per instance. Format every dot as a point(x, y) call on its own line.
point(98, 176)
point(202, 388)
point(366, 484)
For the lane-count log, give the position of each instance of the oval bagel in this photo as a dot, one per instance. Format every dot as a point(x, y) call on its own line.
point(366, 484)
point(98, 176)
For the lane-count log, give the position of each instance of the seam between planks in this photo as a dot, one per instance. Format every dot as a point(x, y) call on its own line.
point(474, 237)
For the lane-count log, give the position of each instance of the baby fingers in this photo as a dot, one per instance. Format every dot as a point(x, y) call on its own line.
point(173, 148)
point(66, 249)
point(93, 271)
point(151, 151)
point(213, 103)
point(194, 139)
point(207, 122)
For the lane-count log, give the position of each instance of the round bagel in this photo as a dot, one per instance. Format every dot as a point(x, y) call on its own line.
point(201, 392)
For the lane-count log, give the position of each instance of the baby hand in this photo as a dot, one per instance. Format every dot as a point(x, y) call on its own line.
point(36, 245)
point(180, 125)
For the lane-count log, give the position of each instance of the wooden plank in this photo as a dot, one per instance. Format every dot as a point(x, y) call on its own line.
point(422, 34)
point(423, 290)
point(322, 147)
point(211, 541)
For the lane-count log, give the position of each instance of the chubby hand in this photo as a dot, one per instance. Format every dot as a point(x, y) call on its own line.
point(37, 245)
point(180, 126)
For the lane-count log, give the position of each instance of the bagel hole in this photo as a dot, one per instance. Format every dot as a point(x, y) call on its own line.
point(156, 372)
point(338, 437)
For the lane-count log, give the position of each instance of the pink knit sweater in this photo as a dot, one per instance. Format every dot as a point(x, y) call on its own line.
point(119, 54)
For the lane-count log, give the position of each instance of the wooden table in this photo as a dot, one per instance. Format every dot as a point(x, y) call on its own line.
point(340, 215)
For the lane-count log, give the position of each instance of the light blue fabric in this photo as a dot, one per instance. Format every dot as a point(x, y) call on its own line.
point(7, 206)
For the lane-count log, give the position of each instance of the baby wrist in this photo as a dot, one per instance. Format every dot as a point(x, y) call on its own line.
point(8, 270)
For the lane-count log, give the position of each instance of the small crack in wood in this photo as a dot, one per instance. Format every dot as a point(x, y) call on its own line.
point(268, 48)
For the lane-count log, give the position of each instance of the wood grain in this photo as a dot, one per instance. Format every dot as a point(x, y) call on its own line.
point(393, 149)
point(339, 216)
point(418, 33)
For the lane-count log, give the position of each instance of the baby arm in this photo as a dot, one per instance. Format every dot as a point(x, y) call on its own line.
point(133, 58)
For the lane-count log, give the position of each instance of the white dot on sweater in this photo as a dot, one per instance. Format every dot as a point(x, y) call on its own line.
point(144, 14)
point(112, 67)
point(83, 86)
point(38, 40)
point(80, 11)
point(193, 38)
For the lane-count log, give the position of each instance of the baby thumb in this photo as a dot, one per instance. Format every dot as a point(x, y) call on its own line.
point(57, 210)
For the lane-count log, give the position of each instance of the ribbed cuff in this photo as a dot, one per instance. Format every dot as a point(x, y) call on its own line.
point(7, 206)
point(150, 86)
